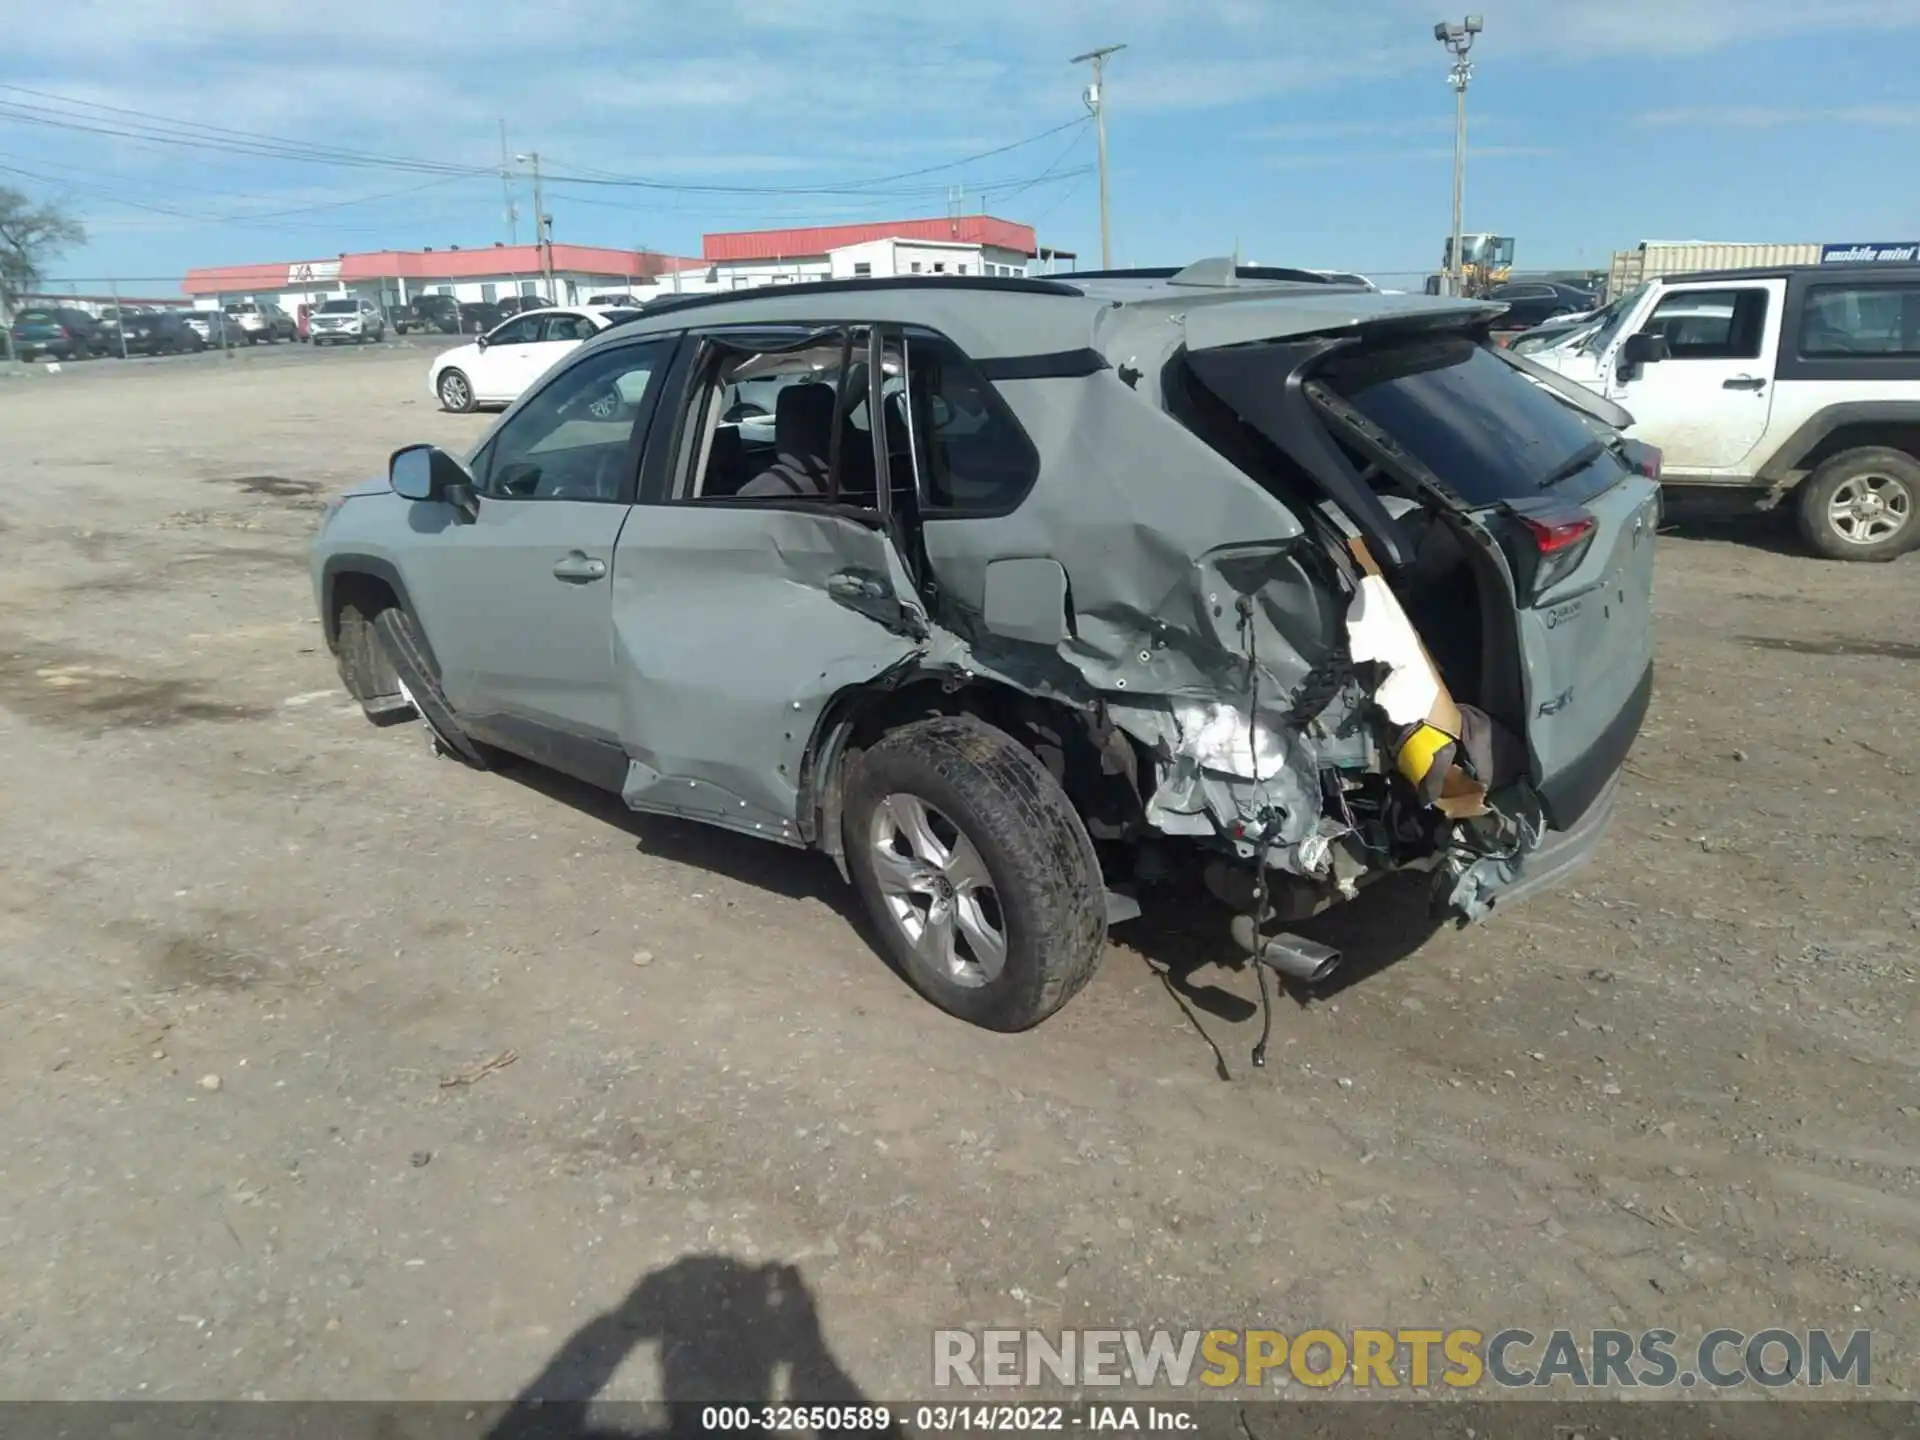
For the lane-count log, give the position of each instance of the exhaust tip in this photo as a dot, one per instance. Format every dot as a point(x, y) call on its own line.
point(1294, 956)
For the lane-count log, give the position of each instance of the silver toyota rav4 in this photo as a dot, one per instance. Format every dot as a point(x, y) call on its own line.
point(1015, 596)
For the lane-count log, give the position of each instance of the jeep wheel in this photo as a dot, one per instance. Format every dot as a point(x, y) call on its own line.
point(1860, 505)
point(400, 642)
point(456, 392)
point(977, 872)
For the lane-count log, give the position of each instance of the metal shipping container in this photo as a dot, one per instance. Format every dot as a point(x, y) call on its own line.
point(1653, 258)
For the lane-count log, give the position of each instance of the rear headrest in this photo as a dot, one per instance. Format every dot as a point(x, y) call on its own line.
point(803, 420)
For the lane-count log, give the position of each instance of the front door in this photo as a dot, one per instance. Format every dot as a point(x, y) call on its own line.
point(1706, 405)
point(761, 584)
point(516, 602)
point(509, 359)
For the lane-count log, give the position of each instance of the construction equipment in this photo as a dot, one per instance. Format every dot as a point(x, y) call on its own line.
point(1487, 261)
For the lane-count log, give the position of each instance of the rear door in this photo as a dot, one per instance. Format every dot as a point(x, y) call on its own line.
point(738, 619)
point(560, 336)
point(1706, 405)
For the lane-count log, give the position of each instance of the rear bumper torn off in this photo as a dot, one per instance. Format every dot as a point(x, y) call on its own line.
point(1467, 890)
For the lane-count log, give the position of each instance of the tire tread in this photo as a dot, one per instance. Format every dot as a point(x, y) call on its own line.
point(1022, 820)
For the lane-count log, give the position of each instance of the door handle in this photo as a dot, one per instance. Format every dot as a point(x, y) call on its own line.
point(579, 567)
point(1744, 382)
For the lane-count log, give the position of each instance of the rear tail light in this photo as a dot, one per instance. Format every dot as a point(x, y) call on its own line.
point(61, 331)
point(1547, 545)
point(1551, 536)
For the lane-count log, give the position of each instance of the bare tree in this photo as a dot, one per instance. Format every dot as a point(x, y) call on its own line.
point(30, 236)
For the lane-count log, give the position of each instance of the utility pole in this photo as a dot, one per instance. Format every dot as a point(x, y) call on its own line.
point(542, 225)
point(506, 188)
point(1096, 102)
point(1459, 40)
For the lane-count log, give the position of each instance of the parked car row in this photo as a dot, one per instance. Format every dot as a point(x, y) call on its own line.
point(61, 332)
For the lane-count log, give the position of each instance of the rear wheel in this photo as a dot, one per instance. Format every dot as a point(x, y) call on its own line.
point(977, 872)
point(401, 644)
point(1860, 505)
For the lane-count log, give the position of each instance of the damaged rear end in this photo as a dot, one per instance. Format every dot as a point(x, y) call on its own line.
point(1462, 692)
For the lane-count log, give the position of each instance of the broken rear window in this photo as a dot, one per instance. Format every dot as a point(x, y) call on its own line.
point(1486, 431)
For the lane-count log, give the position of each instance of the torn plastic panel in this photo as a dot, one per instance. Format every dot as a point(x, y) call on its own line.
point(1178, 615)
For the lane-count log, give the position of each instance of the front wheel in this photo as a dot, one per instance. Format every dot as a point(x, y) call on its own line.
point(456, 392)
point(403, 648)
point(1860, 504)
point(977, 872)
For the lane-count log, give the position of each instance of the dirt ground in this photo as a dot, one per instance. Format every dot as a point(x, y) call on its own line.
point(495, 1059)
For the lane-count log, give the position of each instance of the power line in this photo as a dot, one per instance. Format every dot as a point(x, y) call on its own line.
point(866, 198)
point(844, 187)
point(114, 197)
point(1078, 135)
point(91, 116)
point(122, 123)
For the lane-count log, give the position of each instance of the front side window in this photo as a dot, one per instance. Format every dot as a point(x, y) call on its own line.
point(573, 439)
point(1861, 320)
point(524, 330)
point(1711, 324)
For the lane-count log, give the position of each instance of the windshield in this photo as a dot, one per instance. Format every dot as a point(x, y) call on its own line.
point(340, 307)
point(1485, 431)
point(243, 307)
point(1611, 318)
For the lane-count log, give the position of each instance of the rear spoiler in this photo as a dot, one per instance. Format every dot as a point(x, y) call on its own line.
point(1575, 394)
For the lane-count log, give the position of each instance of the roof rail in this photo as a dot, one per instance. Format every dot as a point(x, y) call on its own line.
point(1014, 284)
point(1215, 272)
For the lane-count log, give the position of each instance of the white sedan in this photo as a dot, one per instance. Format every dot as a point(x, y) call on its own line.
point(502, 363)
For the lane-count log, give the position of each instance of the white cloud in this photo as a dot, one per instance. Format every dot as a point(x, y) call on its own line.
point(1331, 159)
point(1767, 117)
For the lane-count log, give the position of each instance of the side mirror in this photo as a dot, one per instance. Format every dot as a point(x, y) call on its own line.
point(1649, 347)
point(480, 341)
point(428, 473)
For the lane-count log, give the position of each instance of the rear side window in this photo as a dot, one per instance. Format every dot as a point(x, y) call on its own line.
point(973, 457)
point(1484, 430)
point(1711, 324)
point(1861, 320)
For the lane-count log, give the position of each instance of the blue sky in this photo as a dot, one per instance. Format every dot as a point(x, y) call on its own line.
point(1306, 133)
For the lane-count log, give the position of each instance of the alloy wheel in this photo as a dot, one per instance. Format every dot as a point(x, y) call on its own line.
point(937, 890)
point(1868, 508)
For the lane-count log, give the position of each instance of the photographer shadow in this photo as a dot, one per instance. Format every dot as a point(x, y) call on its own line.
point(727, 1333)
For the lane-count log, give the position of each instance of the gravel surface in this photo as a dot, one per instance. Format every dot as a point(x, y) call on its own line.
point(334, 1069)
